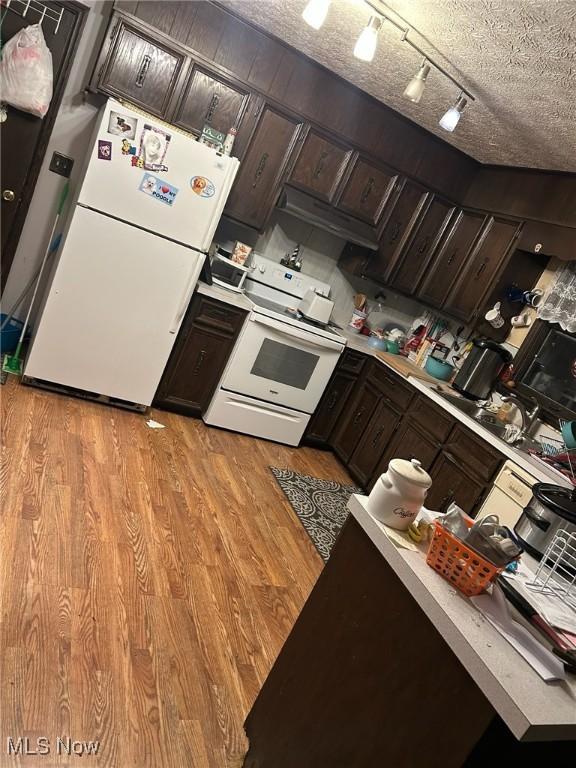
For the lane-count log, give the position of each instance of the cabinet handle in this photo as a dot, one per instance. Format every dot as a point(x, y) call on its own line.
point(212, 108)
point(367, 190)
point(424, 244)
point(201, 358)
point(333, 400)
point(452, 257)
point(481, 269)
point(143, 71)
point(395, 232)
point(260, 169)
point(320, 167)
point(443, 506)
point(377, 437)
point(358, 415)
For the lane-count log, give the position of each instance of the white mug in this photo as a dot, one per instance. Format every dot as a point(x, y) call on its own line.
point(494, 317)
point(522, 321)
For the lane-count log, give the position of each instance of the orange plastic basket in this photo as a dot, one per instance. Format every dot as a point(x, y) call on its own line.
point(461, 566)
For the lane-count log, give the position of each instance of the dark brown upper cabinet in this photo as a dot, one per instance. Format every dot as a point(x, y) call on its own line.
point(410, 202)
point(262, 170)
point(422, 245)
point(366, 190)
point(482, 267)
point(320, 165)
point(140, 68)
point(209, 99)
point(448, 262)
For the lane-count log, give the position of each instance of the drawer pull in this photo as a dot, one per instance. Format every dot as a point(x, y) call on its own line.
point(367, 191)
point(481, 269)
point(358, 415)
point(451, 257)
point(199, 362)
point(143, 71)
point(260, 169)
point(320, 166)
point(333, 400)
point(395, 232)
point(424, 244)
point(212, 108)
point(377, 437)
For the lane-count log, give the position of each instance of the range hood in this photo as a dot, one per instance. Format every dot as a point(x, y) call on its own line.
point(304, 207)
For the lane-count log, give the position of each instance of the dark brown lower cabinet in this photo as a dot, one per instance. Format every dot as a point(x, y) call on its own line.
point(330, 408)
point(452, 482)
point(407, 443)
point(199, 356)
point(355, 420)
point(368, 451)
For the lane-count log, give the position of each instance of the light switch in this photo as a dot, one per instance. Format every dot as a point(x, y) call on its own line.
point(61, 164)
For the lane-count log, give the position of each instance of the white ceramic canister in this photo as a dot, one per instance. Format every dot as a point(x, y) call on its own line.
point(399, 493)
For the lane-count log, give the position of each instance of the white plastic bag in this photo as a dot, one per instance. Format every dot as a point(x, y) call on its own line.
point(26, 71)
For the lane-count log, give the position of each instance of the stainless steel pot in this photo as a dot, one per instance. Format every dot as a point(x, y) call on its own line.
point(552, 508)
point(480, 369)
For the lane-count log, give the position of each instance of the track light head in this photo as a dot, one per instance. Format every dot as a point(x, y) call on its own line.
point(365, 47)
point(450, 119)
point(415, 87)
point(315, 12)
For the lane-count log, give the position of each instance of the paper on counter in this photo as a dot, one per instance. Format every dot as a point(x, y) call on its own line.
point(155, 424)
point(494, 608)
point(400, 539)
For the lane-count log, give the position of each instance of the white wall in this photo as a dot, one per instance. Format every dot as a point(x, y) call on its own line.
point(70, 136)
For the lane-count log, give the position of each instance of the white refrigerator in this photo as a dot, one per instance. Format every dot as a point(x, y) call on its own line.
point(143, 218)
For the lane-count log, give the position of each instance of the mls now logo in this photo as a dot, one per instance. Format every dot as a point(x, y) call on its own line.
point(23, 745)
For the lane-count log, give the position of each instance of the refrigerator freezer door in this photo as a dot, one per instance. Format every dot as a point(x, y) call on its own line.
point(180, 194)
point(116, 302)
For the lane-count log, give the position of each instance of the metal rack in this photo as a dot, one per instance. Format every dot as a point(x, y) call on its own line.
point(556, 573)
point(24, 7)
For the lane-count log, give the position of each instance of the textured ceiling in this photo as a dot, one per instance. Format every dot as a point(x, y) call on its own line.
point(518, 57)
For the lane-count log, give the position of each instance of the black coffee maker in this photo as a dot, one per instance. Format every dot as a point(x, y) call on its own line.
point(477, 377)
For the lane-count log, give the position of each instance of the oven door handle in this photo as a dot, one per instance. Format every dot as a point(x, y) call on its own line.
point(296, 333)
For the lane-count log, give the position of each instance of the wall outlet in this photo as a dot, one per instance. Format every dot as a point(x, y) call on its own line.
point(61, 164)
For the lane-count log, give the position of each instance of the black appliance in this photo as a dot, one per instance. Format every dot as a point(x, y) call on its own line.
point(480, 370)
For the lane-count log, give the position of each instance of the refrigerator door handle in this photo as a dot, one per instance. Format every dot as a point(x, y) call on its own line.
point(186, 296)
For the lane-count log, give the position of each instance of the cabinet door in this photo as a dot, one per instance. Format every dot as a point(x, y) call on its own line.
point(421, 247)
point(253, 194)
point(482, 268)
point(319, 166)
point(450, 482)
point(331, 406)
point(199, 356)
point(210, 99)
point(373, 442)
point(449, 261)
point(355, 421)
point(366, 191)
point(396, 231)
point(408, 443)
point(140, 69)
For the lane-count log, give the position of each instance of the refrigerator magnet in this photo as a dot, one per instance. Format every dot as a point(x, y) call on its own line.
point(154, 143)
point(128, 148)
point(202, 186)
point(158, 189)
point(122, 125)
point(104, 150)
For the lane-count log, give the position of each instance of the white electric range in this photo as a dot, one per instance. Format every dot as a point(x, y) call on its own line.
point(281, 363)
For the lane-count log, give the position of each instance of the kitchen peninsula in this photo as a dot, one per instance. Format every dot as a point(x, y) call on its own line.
point(389, 665)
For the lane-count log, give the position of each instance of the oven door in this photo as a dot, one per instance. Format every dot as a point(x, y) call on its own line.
point(279, 363)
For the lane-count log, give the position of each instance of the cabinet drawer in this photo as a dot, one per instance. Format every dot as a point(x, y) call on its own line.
point(472, 452)
point(435, 422)
point(391, 386)
point(213, 314)
point(352, 361)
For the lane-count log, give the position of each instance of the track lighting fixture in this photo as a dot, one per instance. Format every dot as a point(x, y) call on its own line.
point(415, 87)
point(450, 119)
point(315, 12)
point(365, 47)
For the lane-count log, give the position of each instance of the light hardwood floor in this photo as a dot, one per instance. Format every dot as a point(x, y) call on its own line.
point(148, 579)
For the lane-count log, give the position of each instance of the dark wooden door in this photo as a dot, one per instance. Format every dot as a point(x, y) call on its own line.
point(199, 356)
point(396, 231)
point(354, 422)
point(331, 406)
point(451, 257)
point(366, 191)
point(451, 482)
point(482, 268)
point(373, 442)
point(409, 442)
point(210, 99)
point(140, 68)
point(422, 246)
point(25, 137)
point(320, 165)
point(253, 195)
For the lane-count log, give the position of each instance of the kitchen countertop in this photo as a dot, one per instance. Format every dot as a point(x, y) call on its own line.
point(224, 295)
point(531, 708)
